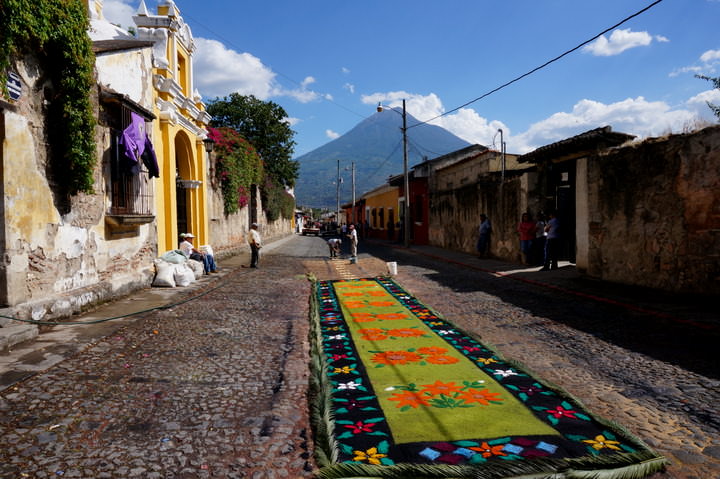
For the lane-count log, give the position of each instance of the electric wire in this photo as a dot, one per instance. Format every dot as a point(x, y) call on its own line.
point(494, 90)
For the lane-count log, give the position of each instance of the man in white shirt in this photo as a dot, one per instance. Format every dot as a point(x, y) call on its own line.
point(352, 235)
point(255, 245)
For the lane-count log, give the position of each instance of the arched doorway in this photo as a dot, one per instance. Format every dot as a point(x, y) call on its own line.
point(184, 183)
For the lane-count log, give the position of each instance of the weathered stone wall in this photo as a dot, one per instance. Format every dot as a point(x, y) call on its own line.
point(229, 233)
point(455, 214)
point(58, 257)
point(654, 213)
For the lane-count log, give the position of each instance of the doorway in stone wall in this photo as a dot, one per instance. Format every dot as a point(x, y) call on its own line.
point(181, 206)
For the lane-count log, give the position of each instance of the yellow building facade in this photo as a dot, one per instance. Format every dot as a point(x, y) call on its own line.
point(181, 192)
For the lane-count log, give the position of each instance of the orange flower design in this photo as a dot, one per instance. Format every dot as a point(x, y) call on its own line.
point(396, 357)
point(381, 304)
point(481, 396)
point(409, 398)
point(441, 359)
point(363, 317)
point(405, 333)
point(372, 334)
point(354, 304)
point(440, 387)
point(377, 294)
point(432, 350)
point(352, 293)
point(391, 316)
point(487, 451)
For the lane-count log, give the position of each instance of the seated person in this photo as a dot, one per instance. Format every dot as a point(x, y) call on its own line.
point(189, 251)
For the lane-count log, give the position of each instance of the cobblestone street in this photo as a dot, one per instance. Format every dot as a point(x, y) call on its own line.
point(216, 384)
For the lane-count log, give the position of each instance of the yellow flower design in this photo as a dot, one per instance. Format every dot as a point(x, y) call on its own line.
point(600, 442)
point(343, 370)
point(486, 361)
point(372, 456)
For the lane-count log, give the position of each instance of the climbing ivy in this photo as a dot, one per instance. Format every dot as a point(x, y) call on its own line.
point(277, 201)
point(237, 167)
point(56, 30)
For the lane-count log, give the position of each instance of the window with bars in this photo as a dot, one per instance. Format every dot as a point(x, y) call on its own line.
point(131, 188)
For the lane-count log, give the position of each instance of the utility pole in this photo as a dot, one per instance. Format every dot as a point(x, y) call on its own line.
point(353, 193)
point(337, 184)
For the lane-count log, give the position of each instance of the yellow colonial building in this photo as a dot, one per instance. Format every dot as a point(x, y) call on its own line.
point(181, 193)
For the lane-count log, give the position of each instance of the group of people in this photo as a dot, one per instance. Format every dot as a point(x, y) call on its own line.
point(539, 240)
point(334, 244)
point(208, 259)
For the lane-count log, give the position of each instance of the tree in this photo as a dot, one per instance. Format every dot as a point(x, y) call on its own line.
point(264, 124)
point(715, 81)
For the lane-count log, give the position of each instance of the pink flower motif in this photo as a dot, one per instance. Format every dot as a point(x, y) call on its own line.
point(360, 427)
point(560, 412)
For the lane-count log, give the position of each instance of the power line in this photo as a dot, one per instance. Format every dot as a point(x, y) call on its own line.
point(541, 66)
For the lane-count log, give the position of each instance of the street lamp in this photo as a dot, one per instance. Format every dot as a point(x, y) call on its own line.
point(406, 181)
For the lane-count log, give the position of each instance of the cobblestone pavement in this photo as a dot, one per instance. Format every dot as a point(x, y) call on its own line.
point(216, 386)
point(581, 344)
point(212, 387)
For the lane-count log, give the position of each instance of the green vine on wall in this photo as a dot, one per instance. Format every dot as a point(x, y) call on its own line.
point(56, 30)
point(237, 167)
point(276, 201)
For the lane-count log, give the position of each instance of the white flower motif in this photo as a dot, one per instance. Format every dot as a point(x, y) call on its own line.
point(390, 388)
point(337, 336)
point(444, 332)
point(351, 385)
point(505, 372)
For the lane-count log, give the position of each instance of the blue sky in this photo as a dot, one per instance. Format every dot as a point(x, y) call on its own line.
point(329, 63)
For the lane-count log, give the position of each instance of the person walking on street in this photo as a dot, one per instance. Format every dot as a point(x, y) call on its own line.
point(552, 243)
point(526, 229)
point(352, 235)
point(484, 235)
point(255, 245)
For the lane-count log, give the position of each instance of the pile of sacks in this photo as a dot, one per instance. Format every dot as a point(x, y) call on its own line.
point(175, 269)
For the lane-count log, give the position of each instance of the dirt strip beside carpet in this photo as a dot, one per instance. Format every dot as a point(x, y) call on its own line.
point(400, 390)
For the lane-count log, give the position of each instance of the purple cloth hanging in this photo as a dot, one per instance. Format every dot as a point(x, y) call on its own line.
point(135, 144)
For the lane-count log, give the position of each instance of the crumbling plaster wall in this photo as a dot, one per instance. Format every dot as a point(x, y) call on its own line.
point(455, 214)
point(57, 262)
point(654, 211)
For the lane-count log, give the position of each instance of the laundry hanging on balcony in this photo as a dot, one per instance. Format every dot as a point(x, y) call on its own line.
point(135, 145)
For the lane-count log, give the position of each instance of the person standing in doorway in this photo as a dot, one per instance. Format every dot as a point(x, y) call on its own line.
point(255, 245)
point(484, 235)
point(552, 243)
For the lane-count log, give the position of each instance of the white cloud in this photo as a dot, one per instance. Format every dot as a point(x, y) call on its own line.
point(332, 134)
point(635, 116)
point(710, 59)
point(219, 71)
point(349, 87)
point(119, 12)
point(710, 56)
point(292, 121)
point(345, 70)
point(465, 123)
point(620, 40)
point(699, 102)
